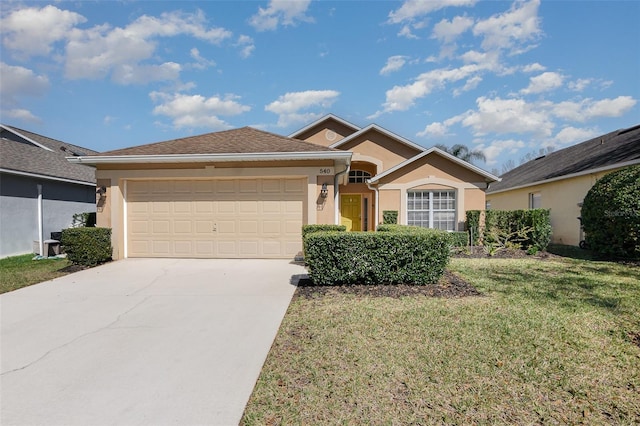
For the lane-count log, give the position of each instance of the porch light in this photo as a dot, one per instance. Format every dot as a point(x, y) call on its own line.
point(324, 192)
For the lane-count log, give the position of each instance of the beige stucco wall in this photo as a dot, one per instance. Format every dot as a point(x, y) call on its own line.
point(381, 147)
point(562, 197)
point(316, 210)
point(389, 199)
point(326, 133)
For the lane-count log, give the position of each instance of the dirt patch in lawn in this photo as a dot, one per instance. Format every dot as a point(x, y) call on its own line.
point(449, 286)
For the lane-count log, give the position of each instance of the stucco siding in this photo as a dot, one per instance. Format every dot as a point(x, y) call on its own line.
point(373, 144)
point(562, 197)
point(326, 133)
point(19, 210)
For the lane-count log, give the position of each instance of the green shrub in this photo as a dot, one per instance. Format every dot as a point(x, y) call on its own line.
point(473, 225)
point(611, 214)
point(87, 246)
point(531, 227)
point(400, 228)
point(404, 257)
point(390, 217)
point(459, 239)
point(308, 229)
point(81, 220)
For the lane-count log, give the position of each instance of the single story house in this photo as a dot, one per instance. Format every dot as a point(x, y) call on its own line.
point(39, 190)
point(560, 180)
point(247, 193)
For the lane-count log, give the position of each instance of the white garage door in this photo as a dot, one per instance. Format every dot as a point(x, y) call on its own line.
point(222, 218)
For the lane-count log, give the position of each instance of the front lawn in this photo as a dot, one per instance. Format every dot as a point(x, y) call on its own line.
point(21, 271)
point(551, 341)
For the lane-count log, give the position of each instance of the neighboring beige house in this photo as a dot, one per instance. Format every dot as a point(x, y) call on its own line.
point(247, 193)
point(560, 180)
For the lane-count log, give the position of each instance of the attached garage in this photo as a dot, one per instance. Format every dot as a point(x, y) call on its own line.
point(241, 193)
point(217, 218)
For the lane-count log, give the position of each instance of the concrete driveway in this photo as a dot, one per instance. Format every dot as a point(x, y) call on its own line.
point(141, 342)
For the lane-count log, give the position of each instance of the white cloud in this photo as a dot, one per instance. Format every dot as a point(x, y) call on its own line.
point(280, 12)
point(246, 46)
point(197, 111)
point(434, 130)
point(470, 84)
point(543, 83)
point(498, 147)
point(102, 50)
point(394, 63)
point(569, 135)
point(289, 106)
point(535, 67)
point(508, 116)
point(32, 30)
point(200, 62)
point(17, 81)
point(580, 84)
point(412, 9)
point(588, 109)
point(512, 29)
point(401, 98)
point(406, 32)
point(448, 31)
point(22, 115)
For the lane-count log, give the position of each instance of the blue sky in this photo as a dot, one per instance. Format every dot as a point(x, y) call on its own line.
point(508, 78)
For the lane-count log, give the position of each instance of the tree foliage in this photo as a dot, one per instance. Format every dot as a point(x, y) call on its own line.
point(463, 152)
point(611, 214)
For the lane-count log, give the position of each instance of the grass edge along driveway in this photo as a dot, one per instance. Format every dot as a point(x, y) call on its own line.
point(21, 271)
point(549, 342)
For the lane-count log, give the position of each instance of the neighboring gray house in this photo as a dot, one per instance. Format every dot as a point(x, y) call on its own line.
point(40, 190)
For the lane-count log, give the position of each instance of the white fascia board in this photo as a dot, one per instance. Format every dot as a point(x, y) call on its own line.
point(15, 132)
point(448, 156)
point(321, 120)
point(201, 158)
point(569, 176)
point(380, 130)
point(38, 176)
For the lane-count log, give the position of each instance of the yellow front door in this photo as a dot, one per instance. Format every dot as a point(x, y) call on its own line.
point(350, 208)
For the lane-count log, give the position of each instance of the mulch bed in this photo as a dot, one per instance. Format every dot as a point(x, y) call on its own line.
point(449, 286)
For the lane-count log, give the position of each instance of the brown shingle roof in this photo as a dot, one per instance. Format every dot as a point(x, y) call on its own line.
point(619, 147)
point(238, 141)
point(19, 155)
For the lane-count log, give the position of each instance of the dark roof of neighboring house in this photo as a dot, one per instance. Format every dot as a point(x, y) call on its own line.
point(620, 147)
point(238, 141)
point(21, 153)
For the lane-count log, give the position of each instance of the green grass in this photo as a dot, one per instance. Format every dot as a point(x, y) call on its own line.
point(20, 271)
point(549, 343)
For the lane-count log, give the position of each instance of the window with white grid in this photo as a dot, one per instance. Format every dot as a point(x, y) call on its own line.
point(432, 209)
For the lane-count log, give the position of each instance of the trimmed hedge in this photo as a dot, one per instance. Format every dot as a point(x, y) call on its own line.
point(390, 217)
point(512, 221)
point(459, 238)
point(87, 246)
point(473, 223)
point(611, 214)
point(388, 257)
point(309, 229)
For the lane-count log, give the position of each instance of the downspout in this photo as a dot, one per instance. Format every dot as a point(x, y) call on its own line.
point(40, 222)
point(336, 193)
point(375, 190)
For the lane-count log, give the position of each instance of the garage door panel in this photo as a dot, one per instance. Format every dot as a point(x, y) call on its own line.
point(223, 218)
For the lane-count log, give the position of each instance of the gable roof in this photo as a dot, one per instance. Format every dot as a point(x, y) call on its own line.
point(30, 154)
point(375, 127)
point(244, 144)
point(322, 120)
point(488, 176)
point(612, 150)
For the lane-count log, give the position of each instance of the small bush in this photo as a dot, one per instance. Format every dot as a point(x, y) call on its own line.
point(400, 228)
point(87, 246)
point(459, 239)
point(390, 217)
point(473, 225)
point(611, 214)
point(531, 227)
point(81, 220)
point(309, 229)
point(403, 257)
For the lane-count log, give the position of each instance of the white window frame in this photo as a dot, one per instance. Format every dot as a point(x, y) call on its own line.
point(431, 221)
point(535, 200)
point(359, 176)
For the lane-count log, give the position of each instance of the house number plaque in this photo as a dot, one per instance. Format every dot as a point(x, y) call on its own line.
point(326, 171)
